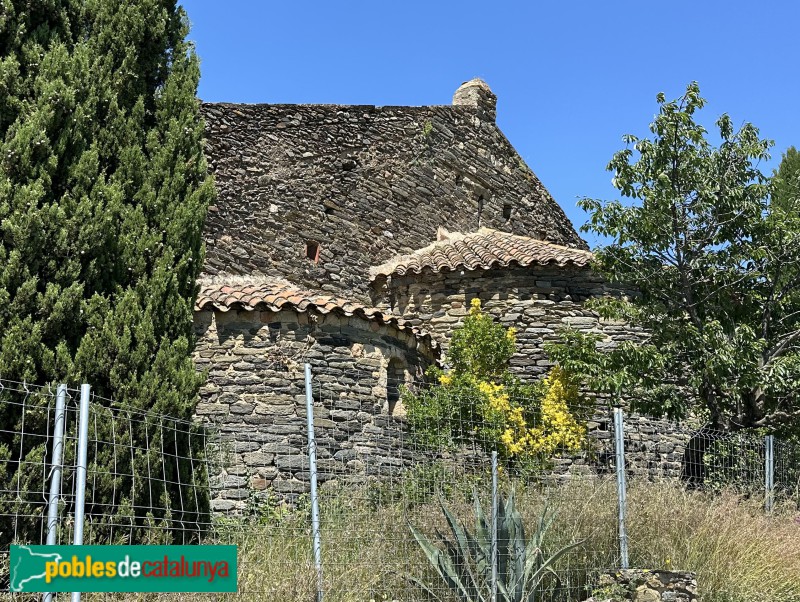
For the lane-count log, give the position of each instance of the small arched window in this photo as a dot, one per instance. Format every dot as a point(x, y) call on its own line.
point(396, 375)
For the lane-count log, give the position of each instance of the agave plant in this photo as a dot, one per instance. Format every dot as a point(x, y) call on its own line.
point(523, 568)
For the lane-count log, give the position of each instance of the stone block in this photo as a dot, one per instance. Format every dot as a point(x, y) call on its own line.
point(223, 505)
point(289, 486)
point(292, 463)
point(236, 494)
point(241, 407)
point(280, 448)
point(245, 446)
point(258, 458)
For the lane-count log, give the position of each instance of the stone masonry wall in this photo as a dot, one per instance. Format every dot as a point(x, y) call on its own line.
point(539, 302)
point(366, 183)
point(255, 399)
point(639, 585)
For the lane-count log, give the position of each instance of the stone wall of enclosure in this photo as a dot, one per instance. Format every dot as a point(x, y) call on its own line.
point(639, 585)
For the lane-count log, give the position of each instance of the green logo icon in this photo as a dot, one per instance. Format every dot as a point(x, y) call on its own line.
point(123, 568)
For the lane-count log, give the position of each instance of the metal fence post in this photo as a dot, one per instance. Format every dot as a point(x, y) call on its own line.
point(619, 439)
point(769, 473)
point(55, 471)
point(312, 459)
point(495, 505)
point(80, 471)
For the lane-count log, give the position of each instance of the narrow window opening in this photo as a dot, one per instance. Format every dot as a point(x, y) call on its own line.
point(507, 211)
point(312, 250)
point(480, 209)
point(395, 379)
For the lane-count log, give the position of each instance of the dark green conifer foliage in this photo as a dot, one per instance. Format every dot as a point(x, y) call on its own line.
point(103, 196)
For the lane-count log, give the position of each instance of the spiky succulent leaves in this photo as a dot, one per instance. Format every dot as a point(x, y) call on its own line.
point(535, 552)
point(511, 551)
point(483, 537)
point(460, 552)
point(538, 566)
point(503, 539)
point(518, 549)
point(444, 566)
point(465, 562)
point(535, 579)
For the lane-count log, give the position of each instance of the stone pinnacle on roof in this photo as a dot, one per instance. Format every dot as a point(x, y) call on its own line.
point(477, 93)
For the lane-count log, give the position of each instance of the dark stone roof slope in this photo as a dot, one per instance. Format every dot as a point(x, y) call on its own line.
point(319, 193)
point(483, 250)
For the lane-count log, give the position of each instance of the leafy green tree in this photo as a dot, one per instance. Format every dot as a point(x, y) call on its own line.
point(787, 178)
point(103, 195)
point(714, 251)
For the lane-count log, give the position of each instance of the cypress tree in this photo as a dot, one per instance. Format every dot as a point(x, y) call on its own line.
point(103, 196)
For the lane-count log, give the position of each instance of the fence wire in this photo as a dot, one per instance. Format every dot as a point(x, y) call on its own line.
point(243, 477)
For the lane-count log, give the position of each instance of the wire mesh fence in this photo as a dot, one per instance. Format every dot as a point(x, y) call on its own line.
point(145, 475)
point(391, 488)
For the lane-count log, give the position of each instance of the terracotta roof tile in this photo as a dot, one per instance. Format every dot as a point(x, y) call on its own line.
point(275, 295)
point(485, 249)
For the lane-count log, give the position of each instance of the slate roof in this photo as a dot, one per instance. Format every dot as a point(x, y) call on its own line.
point(485, 249)
point(275, 295)
point(366, 183)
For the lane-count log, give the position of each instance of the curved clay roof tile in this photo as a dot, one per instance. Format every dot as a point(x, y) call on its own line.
point(278, 295)
point(486, 249)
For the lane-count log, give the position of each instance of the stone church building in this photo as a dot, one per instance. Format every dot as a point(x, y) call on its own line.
point(354, 238)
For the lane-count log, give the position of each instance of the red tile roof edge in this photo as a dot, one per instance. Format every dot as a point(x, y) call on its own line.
point(486, 249)
point(277, 296)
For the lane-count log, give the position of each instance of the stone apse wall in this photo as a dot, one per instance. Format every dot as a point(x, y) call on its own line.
point(254, 398)
point(319, 193)
point(255, 394)
point(539, 301)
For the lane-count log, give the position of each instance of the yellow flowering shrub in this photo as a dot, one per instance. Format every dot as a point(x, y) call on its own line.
point(479, 399)
point(557, 427)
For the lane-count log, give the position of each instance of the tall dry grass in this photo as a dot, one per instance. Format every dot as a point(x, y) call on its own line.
point(739, 554)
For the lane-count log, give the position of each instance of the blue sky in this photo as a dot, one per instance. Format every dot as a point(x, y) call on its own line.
point(571, 77)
